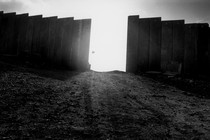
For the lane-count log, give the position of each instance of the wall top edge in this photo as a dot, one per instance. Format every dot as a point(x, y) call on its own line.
point(87, 19)
point(12, 13)
point(36, 16)
point(66, 18)
point(53, 17)
point(24, 14)
point(152, 18)
point(180, 20)
point(133, 16)
point(197, 24)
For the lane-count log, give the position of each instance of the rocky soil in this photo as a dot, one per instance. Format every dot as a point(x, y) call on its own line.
point(55, 104)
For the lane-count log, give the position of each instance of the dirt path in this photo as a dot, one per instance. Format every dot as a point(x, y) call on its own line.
point(92, 105)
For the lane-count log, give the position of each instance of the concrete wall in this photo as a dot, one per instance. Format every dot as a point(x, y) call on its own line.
point(172, 45)
point(190, 52)
point(196, 49)
point(20, 32)
point(23, 34)
point(7, 34)
point(64, 35)
point(132, 44)
point(48, 39)
point(167, 46)
point(203, 48)
point(155, 44)
point(36, 44)
point(208, 50)
point(57, 42)
point(143, 45)
point(84, 35)
point(1, 30)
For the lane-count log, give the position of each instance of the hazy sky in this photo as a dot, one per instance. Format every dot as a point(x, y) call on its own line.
point(191, 10)
point(109, 20)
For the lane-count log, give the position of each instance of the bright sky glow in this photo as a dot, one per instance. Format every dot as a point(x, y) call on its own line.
point(109, 20)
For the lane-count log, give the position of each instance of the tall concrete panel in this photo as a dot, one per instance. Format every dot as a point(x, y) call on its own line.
point(80, 45)
point(178, 40)
point(66, 46)
point(202, 48)
point(190, 50)
point(77, 31)
point(20, 32)
point(208, 51)
point(27, 48)
point(166, 44)
point(7, 42)
point(172, 45)
point(132, 44)
point(1, 16)
point(36, 44)
point(144, 45)
point(46, 39)
point(178, 46)
point(77, 43)
point(85, 43)
point(196, 49)
point(63, 37)
point(155, 44)
point(23, 49)
point(1, 30)
point(58, 43)
point(52, 39)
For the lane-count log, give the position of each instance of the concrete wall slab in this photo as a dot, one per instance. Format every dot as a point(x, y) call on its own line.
point(132, 43)
point(155, 44)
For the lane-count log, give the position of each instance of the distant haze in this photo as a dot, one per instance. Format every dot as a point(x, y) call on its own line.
point(109, 20)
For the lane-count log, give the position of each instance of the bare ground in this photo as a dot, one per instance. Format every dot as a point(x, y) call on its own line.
point(53, 104)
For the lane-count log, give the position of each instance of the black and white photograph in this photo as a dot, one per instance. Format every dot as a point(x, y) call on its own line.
point(105, 69)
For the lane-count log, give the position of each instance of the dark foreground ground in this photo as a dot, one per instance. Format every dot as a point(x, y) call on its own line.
point(46, 104)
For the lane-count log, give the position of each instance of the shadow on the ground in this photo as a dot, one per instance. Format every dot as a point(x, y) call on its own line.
point(193, 86)
point(59, 74)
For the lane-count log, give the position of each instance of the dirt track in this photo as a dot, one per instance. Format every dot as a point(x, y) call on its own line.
point(93, 105)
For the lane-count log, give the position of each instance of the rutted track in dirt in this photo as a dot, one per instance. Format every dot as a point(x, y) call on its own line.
point(93, 105)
